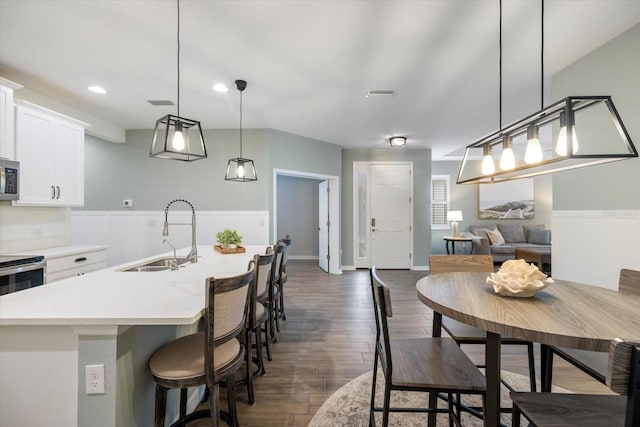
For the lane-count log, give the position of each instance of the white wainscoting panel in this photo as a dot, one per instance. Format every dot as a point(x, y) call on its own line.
point(592, 246)
point(138, 234)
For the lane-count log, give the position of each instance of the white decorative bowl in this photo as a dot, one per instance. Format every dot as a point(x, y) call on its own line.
point(517, 278)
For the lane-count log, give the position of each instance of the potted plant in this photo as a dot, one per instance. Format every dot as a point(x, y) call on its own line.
point(229, 239)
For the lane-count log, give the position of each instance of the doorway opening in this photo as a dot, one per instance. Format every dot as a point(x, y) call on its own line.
point(329, 202)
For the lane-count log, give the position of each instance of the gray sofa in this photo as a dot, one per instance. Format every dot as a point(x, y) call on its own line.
point(515, 235)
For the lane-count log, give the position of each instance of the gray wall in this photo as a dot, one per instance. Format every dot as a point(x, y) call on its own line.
point(298, 214)
point(114, 172)
point(464, 197)
point(613, 69)
point(421, 159)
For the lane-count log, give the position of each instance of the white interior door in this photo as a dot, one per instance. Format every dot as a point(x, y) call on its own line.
point(390, 215)
point(323, 225)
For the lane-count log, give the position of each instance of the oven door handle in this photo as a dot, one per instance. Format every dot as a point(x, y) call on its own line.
point(15, 269)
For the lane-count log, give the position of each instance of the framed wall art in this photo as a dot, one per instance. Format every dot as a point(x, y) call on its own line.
point(506, 200)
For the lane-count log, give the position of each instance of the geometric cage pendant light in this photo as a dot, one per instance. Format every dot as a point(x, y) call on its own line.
point(547, 141)
point(176, 137)
point(240, 169)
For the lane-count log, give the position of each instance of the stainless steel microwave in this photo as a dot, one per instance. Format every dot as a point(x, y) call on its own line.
point(9, 180)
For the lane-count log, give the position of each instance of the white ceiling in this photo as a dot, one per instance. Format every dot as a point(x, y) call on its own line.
point(308, 64)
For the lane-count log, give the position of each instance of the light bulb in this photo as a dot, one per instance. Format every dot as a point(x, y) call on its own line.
point(240, 171)
point(533, 153)
point(178, 138)
point(488, 167)
point(561, 145)
point(507, 161)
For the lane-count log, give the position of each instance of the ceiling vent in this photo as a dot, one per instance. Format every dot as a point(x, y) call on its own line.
point(158, 102)
point(373, 93)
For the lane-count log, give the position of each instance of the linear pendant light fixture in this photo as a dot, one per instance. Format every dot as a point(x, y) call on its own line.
point(176, 137)
point(527, 148)
point(241, 169)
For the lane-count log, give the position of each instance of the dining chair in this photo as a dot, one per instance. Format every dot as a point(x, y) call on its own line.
point(276, 289)
point(433, 365)
point(257, 321)
point(207, 358)
point(593, 363)
point(590, 410)
point(461, 332)
point(283, 277)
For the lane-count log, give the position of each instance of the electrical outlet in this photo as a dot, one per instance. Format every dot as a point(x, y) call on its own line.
point(94, 376)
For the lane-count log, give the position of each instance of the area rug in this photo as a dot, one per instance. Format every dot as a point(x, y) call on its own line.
point(349, 405)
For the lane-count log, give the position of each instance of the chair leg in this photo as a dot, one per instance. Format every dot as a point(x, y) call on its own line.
point(372, 416)
point(259, 355)
point(214, 404)
point(452, 415)
point(433, 403)
point(282, 313)
point(515, 416)
point(231, 398)
point(385, 409)
point(276, 311)
point(546, 361)
point(248, 362)
point(267, 338)
point(273, 317)
point(161, 405)
point(183, 402)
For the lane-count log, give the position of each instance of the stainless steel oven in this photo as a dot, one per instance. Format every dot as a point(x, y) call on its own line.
point(18, 272)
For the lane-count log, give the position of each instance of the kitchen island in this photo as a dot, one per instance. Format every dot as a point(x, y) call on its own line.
point(111, 317)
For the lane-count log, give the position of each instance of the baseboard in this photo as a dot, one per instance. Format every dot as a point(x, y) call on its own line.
point(420, 268)
point(348, 268)
point(303, 257)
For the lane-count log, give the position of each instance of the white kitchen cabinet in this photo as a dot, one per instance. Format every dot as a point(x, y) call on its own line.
point(7, 119)
point(50, 149)
point(62, 263)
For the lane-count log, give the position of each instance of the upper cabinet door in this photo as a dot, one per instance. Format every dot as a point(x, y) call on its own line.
point(51, 155)
point(68, 158)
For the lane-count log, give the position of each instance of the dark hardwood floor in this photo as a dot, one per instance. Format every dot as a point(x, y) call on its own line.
point(327, 340)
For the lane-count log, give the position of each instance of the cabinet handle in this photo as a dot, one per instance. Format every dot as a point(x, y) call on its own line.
point(84, 258)
point(53, 192)
point(58, 187)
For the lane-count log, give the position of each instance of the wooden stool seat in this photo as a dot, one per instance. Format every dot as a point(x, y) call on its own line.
point(183, 359)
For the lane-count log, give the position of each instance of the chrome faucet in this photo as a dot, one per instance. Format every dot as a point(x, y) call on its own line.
point(174, 261)
point(193, 254)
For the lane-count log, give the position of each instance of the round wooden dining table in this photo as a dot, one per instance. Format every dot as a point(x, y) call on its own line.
point(565, 314)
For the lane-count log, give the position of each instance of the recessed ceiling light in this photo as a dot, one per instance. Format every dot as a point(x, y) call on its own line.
point(97, 89)
point(220, 87)
point(385, 92)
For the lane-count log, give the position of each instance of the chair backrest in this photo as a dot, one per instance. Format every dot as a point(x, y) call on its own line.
point(623, 367)
point(453, 263)
point(279, 249)
point(227, 307)
point(382, 310)
point(264, 264)
point(629, 282)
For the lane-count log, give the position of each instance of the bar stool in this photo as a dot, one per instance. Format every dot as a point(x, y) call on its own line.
point(209, 357)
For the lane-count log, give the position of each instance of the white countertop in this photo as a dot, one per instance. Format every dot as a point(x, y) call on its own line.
point(61, 251)
point(115, 297)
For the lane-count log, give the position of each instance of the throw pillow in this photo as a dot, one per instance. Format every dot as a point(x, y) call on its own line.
point(540, 237)
point(495, 237)
point(512, 232)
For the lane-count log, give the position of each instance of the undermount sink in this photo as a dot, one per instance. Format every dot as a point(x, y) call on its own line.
point(157, 265)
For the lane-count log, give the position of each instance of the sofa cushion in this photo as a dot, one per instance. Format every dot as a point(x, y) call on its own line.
point(539, 237)
point(478, 229)
point(534, 227)
point(503, 250)
point(495, 237)
point(512, 232)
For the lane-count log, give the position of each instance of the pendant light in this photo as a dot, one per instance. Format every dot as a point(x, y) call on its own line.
point(609, 143)
point(176, 137)
point(241, 169)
